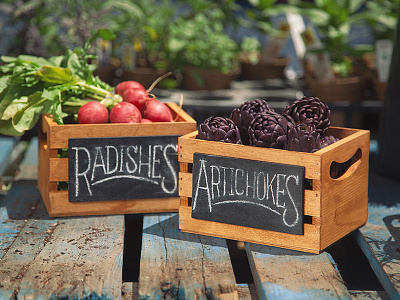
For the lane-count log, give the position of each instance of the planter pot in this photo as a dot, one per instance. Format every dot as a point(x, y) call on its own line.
point(351, 88)
point(145, 76)
point(198, 79)
point(340, 89)
point(263, 71)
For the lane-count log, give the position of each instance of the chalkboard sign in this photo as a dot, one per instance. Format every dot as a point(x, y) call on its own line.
point(248, 193)
point(121, 168)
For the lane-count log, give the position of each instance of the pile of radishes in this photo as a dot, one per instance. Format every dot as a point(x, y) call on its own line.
point(137, 106)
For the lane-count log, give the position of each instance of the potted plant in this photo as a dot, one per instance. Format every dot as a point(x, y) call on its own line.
point(383, 27)
point(142, 44)
point(258, 60)
point(202, 51)
point(331, 62)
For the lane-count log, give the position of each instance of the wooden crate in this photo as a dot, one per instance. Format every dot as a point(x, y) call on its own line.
point(53, 169)
point(332, 207)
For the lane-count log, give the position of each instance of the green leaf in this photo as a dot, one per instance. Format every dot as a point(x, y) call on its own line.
point(4, 83)
point(54, 75)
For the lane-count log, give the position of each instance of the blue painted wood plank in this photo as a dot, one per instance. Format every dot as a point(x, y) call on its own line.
point(181, 265)
point(286, 274)
point(6, 146)
point(379, 239)
point(29, 165)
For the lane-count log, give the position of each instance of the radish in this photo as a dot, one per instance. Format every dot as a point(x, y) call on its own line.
point(157, 111)
point(125, 112)
point(146, 121)
point(137, 97)
point(127, 85)
point(93, 113)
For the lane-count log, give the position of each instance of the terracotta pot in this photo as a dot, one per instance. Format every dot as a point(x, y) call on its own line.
point(340, 89)
point(351, 88)
point(213, 80)
point(263, 71)
point(145, 76)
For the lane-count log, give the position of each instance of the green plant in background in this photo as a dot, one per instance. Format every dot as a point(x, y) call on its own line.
point(384, 18)
point(47, 27)
point(250, 47)
point(200, 41)
point(145, 25)
point(333, 21)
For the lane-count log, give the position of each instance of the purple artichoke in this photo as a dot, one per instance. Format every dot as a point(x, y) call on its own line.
point(303, 138)
point(243, 116)
point(328, 140)
point(309, 110)
point(220, 130)
point(269, 130)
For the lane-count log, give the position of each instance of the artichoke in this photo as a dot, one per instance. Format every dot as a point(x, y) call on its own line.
point(328, 140)
point(303, 138)
point(243, 116)
point(269, 130)
point(220, 130)
point(309, 110)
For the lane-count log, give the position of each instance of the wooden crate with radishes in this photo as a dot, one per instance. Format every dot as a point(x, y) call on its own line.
point(113, 168)
point(304, 194)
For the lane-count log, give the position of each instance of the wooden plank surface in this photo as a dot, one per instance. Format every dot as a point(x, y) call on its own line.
point(183, 266)
point(285, 274)
point(41, 257)
point(380, 237)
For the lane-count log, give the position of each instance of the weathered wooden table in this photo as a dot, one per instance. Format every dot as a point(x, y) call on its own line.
point(95, 257)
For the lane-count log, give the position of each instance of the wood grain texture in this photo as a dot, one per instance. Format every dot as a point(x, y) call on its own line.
point(183, 266)
point(285, 274)
point(379, 239)
point(309, 241)
point(58, 135)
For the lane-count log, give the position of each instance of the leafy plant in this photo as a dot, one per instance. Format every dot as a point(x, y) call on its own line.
point(60, 85)
point(334, 21)
point(200, 41)
point(148, 28)
point(384, 18)
point(46, 27)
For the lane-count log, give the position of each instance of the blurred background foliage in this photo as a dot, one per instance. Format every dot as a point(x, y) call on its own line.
point(173, 33)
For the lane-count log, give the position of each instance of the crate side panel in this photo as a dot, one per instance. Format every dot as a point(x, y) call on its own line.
point(58, 169)
point(344, 200)
point(60, 206)
point(309, 242)
point(311, 162)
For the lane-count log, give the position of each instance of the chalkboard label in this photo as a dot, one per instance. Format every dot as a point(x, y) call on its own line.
point(249, 193)
point(121, 168)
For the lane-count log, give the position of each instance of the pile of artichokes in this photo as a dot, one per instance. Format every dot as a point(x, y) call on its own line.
point(300, 127)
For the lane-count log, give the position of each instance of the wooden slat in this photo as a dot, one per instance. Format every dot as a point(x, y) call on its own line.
point(188, 145)
point(60, 206)
point(29, 166)
point(379, 239)
point(309, 241)
point(285, 274)
point(183, 266)
point(58, 135)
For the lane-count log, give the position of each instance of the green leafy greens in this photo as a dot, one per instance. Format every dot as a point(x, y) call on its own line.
point(60, 85)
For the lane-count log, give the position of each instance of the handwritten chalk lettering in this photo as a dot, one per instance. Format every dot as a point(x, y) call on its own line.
point(249, 193)
point(123, 168)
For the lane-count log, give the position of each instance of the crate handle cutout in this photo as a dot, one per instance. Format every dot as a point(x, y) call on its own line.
point(342, 170)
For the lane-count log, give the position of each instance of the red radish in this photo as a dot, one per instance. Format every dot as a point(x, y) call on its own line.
point(137, 97)
point(125, 112)
point(93, 113)
point(127, 85)
point(157, 111)
point(146, 121)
